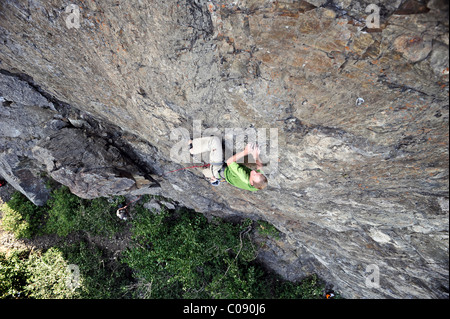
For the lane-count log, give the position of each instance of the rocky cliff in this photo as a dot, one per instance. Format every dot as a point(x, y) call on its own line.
point(92, 92)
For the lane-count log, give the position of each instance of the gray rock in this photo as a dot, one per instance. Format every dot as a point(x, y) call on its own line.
point(15, 90)
point(438, 59)
point(168, 205)
point(23, 114)
point(88, 166)
point(153, 205)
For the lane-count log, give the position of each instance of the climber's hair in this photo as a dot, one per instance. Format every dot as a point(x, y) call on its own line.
point(261, 182)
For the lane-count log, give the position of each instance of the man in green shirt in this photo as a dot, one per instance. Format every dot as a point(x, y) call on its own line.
point(235, 174)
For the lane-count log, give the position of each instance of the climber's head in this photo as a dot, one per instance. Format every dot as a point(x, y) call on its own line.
point(258, 180)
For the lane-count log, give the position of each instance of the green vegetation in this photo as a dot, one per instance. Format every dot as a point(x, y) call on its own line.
point(22, 217)
point(68, 213)
point(267, 229)
point(13, 274)
point(169, 254)
point(48, 275)
point(183, 256)
point(64, 213)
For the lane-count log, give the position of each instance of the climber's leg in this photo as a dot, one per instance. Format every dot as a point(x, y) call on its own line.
point(213, 145)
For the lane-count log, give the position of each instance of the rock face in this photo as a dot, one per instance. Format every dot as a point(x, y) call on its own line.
point(36, 138)
point(22, 110)
point(358, 169)
point(84, 164)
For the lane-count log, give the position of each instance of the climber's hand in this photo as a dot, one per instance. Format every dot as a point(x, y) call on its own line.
point(253, 149)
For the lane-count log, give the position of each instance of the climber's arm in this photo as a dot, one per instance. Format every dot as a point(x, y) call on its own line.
point(239, 155)
point(259, 164)
point(249, 149)
point(254, 150)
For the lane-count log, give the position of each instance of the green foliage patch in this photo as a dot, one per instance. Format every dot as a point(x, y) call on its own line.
point(68, 213)
point(67, 272)
point(182, 255)
point(22, 217)
point(267, 229)
point(171, 254)
point(63, 214)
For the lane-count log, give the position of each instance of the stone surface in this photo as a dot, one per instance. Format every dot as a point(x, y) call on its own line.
point(89, 167)
point(354, 185)
point(36, 138)
point(23, 114)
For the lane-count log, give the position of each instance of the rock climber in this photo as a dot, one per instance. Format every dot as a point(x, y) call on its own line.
point(235, 174)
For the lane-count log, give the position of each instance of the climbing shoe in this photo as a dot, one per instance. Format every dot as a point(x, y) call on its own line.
point(215, 183)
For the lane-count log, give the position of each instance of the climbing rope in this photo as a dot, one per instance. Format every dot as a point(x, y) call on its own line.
point(139, 197)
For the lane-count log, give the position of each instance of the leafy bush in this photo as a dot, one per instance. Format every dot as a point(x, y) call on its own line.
point(22, 217)
point(102, 277)
point(267, 229)
point(34, 275)
point(49, 275)
point(176, 254)
point(182, 255)
point(64, 213)
point(68, 213)
point(13, 274)
point(308, 288)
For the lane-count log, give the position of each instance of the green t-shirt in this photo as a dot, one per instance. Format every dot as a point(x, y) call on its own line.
point(238, 175)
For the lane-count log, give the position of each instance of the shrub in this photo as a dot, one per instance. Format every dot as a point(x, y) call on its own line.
point(13, 274)
point(68, 213)
point(309, 288)
point(266, 229)
point(181, 255)
point(176, 254)
point(49, 276)
point(101, 276)
point(64, 212)
point(34, 274)
point(22, 217)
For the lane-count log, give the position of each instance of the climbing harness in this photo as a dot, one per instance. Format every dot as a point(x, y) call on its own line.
point(214, 183)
